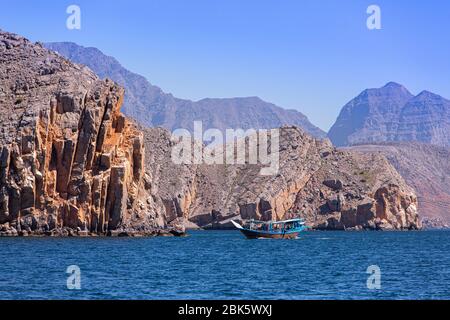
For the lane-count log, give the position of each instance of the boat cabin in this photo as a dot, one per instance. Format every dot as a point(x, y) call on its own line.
point(274, 226)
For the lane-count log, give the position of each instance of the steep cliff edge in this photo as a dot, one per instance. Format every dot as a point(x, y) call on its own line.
point(70, 162)
point(331, 189)
point(426, 168)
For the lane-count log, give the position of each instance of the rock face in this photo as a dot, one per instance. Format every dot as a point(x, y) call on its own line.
point(426, 168)
point(150, 106)
point(69, 160)
point(392, 113)
point(425, 118)
point(331, 189)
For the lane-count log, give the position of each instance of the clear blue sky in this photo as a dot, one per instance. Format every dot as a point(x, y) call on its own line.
point(313, 56)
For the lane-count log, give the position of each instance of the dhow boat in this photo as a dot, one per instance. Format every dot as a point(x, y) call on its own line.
point(287, 229)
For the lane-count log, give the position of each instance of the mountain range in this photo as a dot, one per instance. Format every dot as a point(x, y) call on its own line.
point(392, 113)
point(152, 107)
point(387, 114)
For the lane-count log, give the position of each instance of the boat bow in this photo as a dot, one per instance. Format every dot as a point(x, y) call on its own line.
point(237, 225)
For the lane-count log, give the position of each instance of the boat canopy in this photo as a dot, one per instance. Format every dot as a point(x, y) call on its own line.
point(277, 222)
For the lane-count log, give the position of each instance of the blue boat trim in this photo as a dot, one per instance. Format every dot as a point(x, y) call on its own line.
point(272, 229)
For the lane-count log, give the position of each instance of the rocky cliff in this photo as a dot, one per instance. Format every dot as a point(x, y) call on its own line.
point(331, 189)
point(70, 162)
point(426, 168)
point(391, 114)
point(152, 107)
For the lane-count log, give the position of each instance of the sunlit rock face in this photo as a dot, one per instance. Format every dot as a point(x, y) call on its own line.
point(424, 167)
point(69, 160)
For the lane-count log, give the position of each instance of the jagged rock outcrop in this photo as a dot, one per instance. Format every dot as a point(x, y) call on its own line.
point(70, 162)
point(172, 186)
point(152, 107)
point(390, 114)
point(331, 189)
point(424, 167)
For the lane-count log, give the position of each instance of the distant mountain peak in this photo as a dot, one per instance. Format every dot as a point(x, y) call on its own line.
point(394, 85)
point(392, 113)
point(390, 89)
point(395, 88)
point(425, 94)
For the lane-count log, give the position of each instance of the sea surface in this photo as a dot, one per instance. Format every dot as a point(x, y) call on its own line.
point(224, 265)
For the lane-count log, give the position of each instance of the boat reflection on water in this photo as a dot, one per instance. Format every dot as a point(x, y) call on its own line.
point(287, 229)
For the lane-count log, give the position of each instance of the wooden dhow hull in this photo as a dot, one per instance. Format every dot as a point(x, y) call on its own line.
point(260, 234)
point(252, 234)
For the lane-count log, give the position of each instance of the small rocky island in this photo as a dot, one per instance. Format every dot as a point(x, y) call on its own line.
point(71, 164)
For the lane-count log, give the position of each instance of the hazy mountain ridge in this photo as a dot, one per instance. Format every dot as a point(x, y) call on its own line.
point(152, 107)
point(392, 113)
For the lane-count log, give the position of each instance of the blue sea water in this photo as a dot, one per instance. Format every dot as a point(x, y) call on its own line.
point(224, 265)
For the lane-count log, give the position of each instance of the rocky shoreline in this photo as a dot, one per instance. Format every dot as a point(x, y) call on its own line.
point(435, 224)
point(64, 232)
